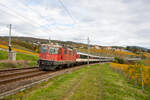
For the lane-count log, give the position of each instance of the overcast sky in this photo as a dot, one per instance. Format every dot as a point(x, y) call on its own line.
point(106, 22)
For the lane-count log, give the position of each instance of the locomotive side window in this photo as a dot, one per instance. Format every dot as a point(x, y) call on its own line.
point(56, 50)
point(59, 50)
point(53, 50)
point(69, 52)
point(65, 51)
point(74, 52)
point(44, 49)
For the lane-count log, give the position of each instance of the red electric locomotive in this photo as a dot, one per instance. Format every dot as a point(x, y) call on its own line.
point(54, 56)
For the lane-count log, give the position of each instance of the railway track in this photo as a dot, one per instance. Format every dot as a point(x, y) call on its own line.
point(15, 69)
point(16, 80)
point(17, 77)
point(5, 75)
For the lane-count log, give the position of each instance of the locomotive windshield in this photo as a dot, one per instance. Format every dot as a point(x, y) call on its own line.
point(44, 49)
point(53, 50)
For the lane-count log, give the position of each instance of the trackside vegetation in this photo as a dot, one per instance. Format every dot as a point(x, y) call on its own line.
point(19, 56)
point(23, 60)
point(96, 82)
point(137, 74)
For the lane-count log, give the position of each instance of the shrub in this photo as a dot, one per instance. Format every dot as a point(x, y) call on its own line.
point(119, 60)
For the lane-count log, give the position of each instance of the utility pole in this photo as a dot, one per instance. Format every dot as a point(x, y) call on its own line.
point(142, 78)
point(88, 49)
point(11, 54)
point(10, 38)
point(49, 39)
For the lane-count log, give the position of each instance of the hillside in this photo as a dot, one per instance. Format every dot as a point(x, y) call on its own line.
point(33, 44)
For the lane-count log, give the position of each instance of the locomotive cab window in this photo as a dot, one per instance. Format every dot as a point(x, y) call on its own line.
point(44, 49)
point(53, 50)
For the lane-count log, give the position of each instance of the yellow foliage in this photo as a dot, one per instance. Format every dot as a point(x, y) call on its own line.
point(134, 71)
point(110, 52)
point(147, 54)
point(19, 50)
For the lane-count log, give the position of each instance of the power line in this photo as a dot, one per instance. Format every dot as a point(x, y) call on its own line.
point(12, 13)
point(18, 15)
point(39, 14)
point(67, 11)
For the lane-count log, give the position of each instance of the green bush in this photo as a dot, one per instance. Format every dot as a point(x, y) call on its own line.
point(119, 60)
point(33, 63)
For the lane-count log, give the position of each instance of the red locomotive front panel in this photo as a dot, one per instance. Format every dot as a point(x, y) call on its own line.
point(50, 53)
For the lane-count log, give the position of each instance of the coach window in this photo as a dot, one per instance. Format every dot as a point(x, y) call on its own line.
point(65, 51)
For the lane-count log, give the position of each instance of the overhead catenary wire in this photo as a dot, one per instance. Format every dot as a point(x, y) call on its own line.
point(67, 11)
point(13, 13)
point(23, 18)
point(29, 20)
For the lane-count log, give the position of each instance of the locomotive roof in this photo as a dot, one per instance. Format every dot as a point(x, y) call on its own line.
point(57, 46)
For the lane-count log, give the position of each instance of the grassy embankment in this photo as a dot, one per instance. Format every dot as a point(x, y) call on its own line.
point(134, 73)
point(97, 82)
point(23, 60)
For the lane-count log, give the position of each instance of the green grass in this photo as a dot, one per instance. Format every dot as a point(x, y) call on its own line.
point(116, 87)
point(19, 56)
point(3, 55)
point(97, 82)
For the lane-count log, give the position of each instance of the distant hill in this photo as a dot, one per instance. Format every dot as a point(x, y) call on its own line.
point(41, 41)
point(33, 45)
point(137, 49)
point(36, 40)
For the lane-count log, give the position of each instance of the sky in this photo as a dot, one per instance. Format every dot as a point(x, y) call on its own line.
point(105, 22)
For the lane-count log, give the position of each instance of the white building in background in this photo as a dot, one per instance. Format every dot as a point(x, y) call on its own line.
point(97, 47)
